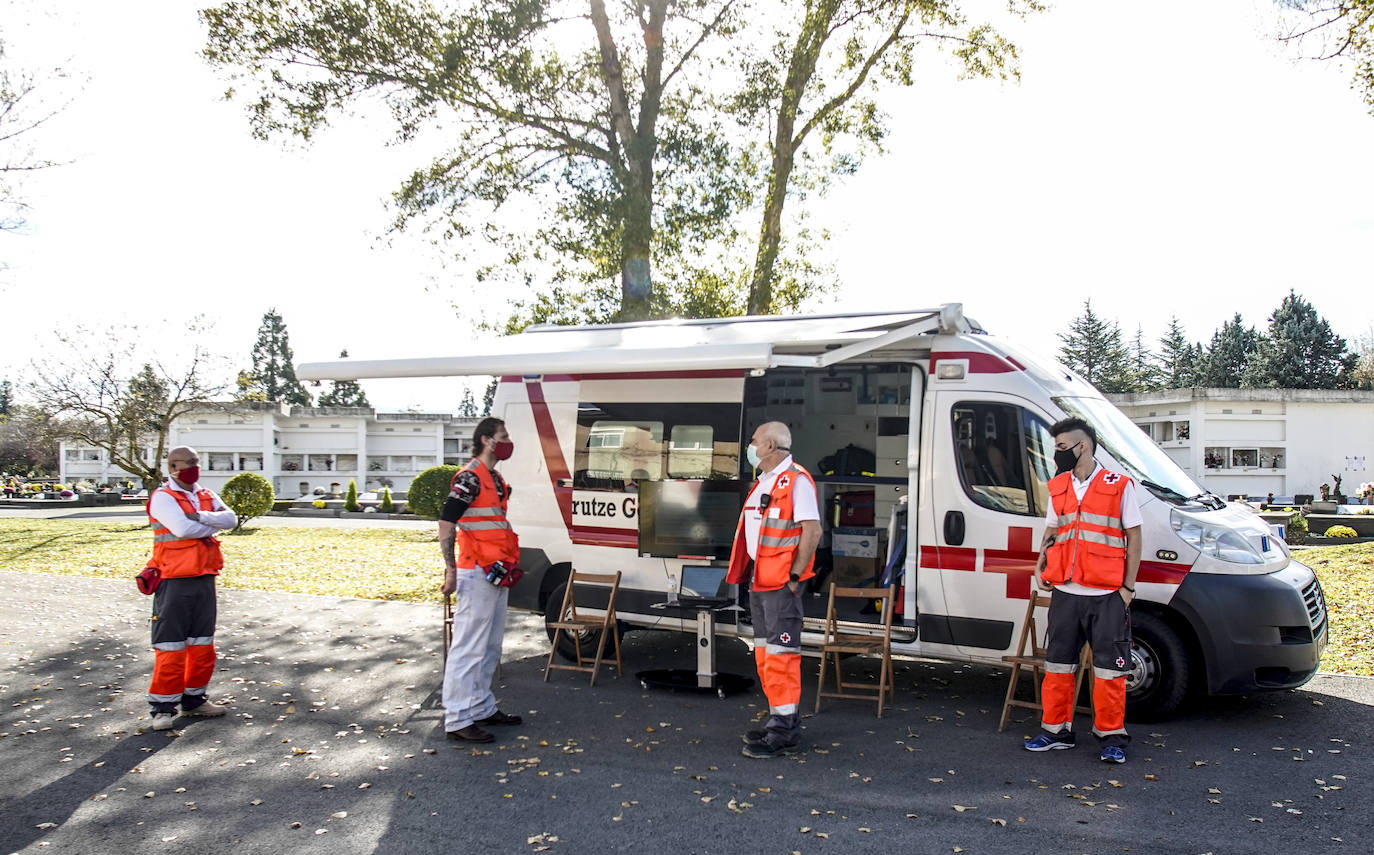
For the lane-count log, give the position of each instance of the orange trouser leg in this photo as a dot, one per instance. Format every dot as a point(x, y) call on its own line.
point(781, 677)
point(1109, 706)
point(1056, 698)
point(200, 665)
point(169, 676)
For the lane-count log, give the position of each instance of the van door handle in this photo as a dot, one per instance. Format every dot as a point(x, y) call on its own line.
point(954, 528)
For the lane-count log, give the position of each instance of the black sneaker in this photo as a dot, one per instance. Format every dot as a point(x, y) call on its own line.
point(764, 750)
point(753, 736)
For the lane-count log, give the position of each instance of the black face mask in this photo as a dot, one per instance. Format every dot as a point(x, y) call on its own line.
point(1065, 459)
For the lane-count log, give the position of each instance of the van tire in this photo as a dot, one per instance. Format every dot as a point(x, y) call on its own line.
point(1159, 682)
point(567, 642)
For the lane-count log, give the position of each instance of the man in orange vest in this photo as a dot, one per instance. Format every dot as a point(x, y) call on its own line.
point(185, 518)
point(474, 515)
point(1090, 557)
point(775, 544)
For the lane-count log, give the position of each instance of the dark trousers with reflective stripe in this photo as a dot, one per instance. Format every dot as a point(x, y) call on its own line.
point(1105, 623)
point(777, 617)
point(183, 642)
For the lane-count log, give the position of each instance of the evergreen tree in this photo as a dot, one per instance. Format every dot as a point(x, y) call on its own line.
point(1145, 374)
point(344, 393)
point(489, 397)
point(468, 408)
point(1230, 352)
point(1093, 348)
point(1301, 351)
point(6, 398)
point(274, 372)
point(1363, 375)
point(1176, 358)
point(351, 497)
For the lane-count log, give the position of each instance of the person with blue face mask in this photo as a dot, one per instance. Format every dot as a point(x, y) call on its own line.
point(774, 551)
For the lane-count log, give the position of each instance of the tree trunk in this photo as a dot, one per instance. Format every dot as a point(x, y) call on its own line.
point(636, 252)
point(770, 235)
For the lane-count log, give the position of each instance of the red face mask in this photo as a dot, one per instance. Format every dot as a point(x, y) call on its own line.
point(503, 449)
point(189, 475)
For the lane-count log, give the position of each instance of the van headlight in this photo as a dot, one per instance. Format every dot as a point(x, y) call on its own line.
point(1219, 542)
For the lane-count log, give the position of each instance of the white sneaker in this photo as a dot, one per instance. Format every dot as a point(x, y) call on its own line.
point(206, 710)
point(163, 720)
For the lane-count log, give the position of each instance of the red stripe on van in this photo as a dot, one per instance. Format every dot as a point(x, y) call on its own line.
point(553, 453)
point(978, 362)
point(590, 535)
point(1159, 571)
point(949, 557)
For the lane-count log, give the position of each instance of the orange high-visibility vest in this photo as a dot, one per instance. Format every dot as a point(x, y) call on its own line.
point(779, 537)
point(484, 533)
point(1089, 544)
point(183, 557)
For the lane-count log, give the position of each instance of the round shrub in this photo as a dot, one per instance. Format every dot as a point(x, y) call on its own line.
point(426, 494)
point(249, 495)
point(1341, 531)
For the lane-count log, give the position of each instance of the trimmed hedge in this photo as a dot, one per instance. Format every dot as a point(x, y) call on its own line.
point(249, 495)
point(426, 495)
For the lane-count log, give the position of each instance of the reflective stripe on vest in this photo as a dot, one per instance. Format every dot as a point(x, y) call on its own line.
point(184, 557)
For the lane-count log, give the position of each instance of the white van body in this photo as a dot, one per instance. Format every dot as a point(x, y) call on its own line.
point(957, 424)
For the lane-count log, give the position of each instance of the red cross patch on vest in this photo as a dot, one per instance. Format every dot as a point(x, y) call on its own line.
point(783, 480)
point(1110, 478)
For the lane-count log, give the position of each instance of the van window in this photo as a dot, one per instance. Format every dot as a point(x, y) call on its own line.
point(690, 449)
point(620, 443)
point(1005, 456)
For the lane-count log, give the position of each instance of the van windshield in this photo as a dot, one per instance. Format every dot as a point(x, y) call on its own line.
point(1130, 447)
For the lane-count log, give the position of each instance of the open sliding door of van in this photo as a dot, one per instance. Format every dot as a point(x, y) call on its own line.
point(987, 512)
point(852, 430)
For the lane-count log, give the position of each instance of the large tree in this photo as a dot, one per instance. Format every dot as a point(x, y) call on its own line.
point(344, 393)
point(1176, 357)
point(1093, 348)
point(1340, 30)
point(815, 75)
point(27, 446)
point(273, 375)
point(587, 109)
point(6, 398)
point(1229, 354)
point(1362, 377)
point(1300, 351)
point(97, 397)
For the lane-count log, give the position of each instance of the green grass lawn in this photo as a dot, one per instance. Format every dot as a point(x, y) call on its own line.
point(401, 564)
point(379, 564)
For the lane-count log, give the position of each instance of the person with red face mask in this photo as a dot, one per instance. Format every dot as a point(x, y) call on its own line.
point(474, 521)
point(185, 518)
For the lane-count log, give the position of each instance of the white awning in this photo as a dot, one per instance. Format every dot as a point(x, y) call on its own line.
point(584, 361)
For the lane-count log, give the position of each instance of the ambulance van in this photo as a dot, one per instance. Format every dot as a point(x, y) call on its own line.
point(929, 442)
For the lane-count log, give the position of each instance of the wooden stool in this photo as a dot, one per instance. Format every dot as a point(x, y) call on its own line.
point(1033, 660)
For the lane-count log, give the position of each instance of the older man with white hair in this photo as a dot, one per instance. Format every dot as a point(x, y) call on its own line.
point(775, 550)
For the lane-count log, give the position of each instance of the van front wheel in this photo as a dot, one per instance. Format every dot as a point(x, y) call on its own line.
point(1158, 681)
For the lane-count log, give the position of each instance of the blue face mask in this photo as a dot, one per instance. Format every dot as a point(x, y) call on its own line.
point(752, 455)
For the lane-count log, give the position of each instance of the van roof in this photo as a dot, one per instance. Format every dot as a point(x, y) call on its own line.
point(755, 341)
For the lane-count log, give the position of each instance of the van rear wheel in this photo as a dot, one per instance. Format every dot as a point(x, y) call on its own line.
point(1158, 681)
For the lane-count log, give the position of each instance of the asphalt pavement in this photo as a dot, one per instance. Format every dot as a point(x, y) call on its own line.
point(335, 743)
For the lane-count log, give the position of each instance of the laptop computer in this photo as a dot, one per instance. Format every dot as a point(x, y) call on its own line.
point(703, 586)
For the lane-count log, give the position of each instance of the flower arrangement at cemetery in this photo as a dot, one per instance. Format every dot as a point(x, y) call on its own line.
point(1341, 531)
point(1366, 490)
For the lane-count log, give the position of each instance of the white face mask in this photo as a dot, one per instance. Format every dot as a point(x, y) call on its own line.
point(752, 455)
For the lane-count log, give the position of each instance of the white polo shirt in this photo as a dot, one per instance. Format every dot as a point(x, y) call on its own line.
point(804, 505)
point(1130, 518)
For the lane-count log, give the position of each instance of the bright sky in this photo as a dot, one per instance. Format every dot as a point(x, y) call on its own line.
point(1161, 158)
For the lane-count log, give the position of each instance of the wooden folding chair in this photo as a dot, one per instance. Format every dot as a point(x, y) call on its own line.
point(1033, 660)
point(837, 644)
point(569, 621)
